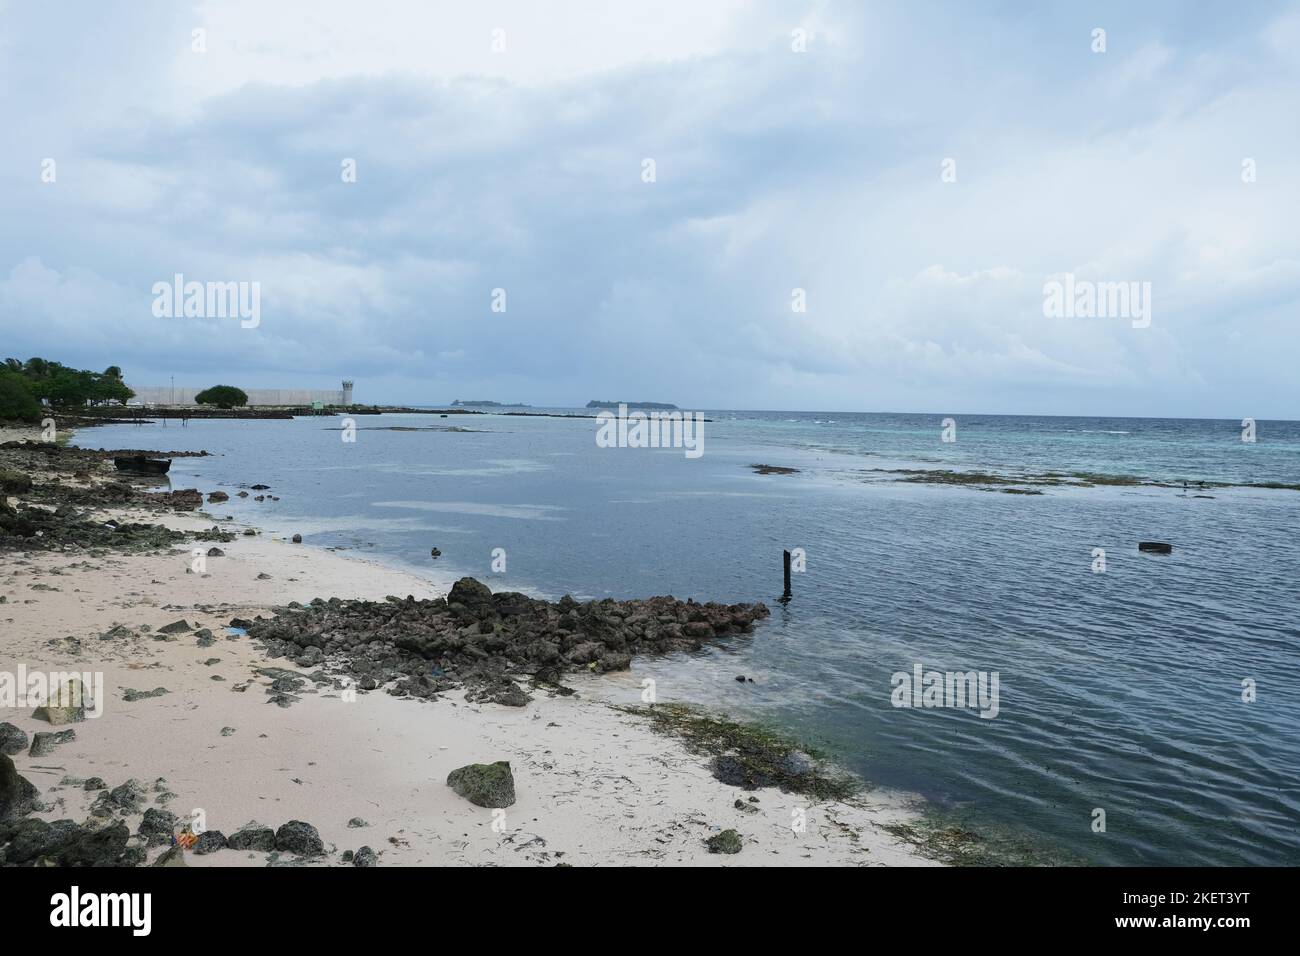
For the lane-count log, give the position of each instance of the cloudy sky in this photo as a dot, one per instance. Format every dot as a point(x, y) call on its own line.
point(774, 170)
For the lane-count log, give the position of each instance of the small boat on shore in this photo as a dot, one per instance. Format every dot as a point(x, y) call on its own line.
point(140, 465)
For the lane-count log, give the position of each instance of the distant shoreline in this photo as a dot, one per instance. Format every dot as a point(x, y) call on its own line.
point(662, 406)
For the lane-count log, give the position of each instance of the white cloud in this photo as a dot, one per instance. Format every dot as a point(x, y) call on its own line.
point(776, 170)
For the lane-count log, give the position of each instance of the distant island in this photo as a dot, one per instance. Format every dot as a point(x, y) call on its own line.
point(595, 404)
point(459, 404)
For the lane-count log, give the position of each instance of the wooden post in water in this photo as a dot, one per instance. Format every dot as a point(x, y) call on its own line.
point(785, 597)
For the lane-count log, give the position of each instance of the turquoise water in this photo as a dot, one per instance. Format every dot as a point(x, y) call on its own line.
point(1119, 690)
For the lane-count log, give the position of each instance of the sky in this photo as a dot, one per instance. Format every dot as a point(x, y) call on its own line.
point(854, 206)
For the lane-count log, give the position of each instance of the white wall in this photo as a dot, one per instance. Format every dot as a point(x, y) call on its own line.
point(163, 395)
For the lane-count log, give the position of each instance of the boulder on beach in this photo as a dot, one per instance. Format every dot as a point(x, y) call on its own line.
point(174, 856)
point(18, 795)
point(32, 839)
point(157, 826)
point(103, 847)
point(67, 843)
point(484, 784)
point(66, 704)
point(470, 594)
point(500, 690)
point(300, 838)
point(216, 496)
point(12, 739)
point(728, 841)
point(129, 797)
point(43, 743)
point(365, 857)
point(185, 499)
point(210, 841)
point(252, 836)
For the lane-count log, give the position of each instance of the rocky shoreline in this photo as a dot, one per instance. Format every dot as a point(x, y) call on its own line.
point(647, 784)
point(57, 489)
point(484, 641)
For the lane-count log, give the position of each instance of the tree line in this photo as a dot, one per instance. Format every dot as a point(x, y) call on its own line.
point(27, 388)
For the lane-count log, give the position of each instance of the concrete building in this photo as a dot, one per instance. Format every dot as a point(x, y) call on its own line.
point(184, 395)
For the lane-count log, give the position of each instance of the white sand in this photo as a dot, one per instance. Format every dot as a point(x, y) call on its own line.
point(19, 433)
point(595, 786)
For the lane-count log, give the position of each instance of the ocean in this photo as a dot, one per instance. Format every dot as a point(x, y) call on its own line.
point(1161, 690)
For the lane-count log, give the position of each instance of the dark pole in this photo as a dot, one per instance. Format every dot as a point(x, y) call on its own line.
point(786, 562)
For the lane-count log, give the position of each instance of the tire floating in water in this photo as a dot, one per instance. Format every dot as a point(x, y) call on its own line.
point(1155, 547)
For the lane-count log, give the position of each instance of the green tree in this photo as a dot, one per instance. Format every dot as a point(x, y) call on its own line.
point(109, 387)
point(16, 399)
point(64, 387)
point(222, 396)
point(37, 368)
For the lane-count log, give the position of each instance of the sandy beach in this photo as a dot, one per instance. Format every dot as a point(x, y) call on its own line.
point(595, 785)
